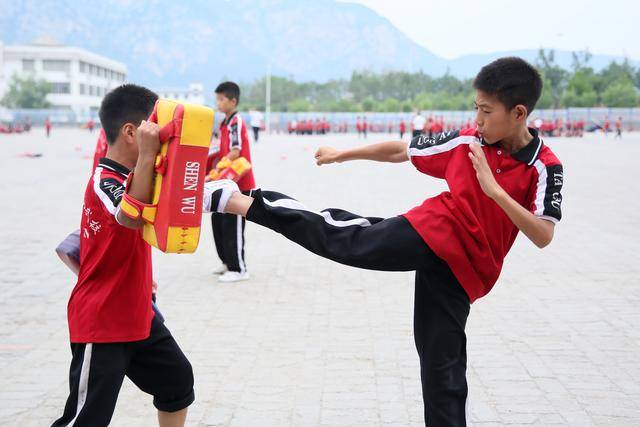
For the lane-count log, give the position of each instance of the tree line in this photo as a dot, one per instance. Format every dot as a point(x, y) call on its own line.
point(617, 85)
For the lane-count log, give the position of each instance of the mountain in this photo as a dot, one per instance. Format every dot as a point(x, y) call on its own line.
point(468, 65)
point(168, 43)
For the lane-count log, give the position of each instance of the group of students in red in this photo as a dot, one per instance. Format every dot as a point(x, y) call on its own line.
point(15, 127)
point(309, 127)
point(363, 126)
point(437, 125)
point(606, 127)
point(558, 127)
point(573, 128)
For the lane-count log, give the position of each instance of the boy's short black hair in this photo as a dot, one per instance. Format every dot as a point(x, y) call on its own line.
point(230, 90)
point(127, 103)
point(512, 80)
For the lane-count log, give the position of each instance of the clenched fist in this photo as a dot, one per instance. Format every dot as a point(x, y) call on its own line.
point(326, 155)
point(148, 138)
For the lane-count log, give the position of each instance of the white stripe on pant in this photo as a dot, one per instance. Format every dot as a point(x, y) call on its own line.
point(240, 242)
point(83, 384)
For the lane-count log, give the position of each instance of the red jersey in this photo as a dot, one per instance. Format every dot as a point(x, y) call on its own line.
point(101, 149)
point(233, 134)
point(464, 226)
point(111, 301)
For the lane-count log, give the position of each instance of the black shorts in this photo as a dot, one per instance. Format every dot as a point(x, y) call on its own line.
point(156, 365)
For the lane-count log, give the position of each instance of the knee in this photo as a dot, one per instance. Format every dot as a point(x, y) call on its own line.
point(186, 372)
point(180, 394)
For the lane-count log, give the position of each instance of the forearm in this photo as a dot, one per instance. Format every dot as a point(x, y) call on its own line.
point(539, 231)
point(140, 189)
point(391, 151)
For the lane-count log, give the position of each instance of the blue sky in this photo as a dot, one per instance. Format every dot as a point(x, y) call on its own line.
point(450, 28)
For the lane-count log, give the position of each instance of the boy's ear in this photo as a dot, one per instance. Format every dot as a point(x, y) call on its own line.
point(128, 131)
point(520, 112)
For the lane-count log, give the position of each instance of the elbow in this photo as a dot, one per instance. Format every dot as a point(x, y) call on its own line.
point(544, 241)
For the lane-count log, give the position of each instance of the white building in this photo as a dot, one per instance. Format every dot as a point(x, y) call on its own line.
point(79, 78)
point(194, 94)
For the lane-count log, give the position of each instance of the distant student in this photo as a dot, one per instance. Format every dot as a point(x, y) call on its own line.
point(417, 124)
point(619, 128)
point(228, 230)
point(47, 126)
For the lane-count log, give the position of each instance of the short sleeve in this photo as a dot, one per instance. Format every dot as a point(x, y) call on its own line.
point(430, 155)
point(109, 190)
point(547, 200)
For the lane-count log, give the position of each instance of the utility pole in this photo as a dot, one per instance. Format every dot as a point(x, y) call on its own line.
point(267, 124)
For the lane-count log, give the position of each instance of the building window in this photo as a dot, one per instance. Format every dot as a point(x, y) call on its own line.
point(92, 69)
point(60, 88)
point(82, 88)
point(28, 65)
point(55, 65)
point(82, 66)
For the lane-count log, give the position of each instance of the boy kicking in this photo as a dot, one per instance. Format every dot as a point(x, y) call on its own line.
point(502, 179)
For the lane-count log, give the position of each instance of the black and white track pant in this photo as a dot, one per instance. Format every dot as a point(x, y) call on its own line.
point(441, 304)
point(156, 365)
point(228, 235)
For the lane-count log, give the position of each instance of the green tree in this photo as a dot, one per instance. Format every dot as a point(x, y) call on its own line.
point(580, 60)
point(391, 105)
point(26, 93)
point(368, 104)
point(341, 105)
point(423, 101)
point(555, 78)
point(546, 98)
point(398, 90)
point(298, 105)
point(621, 93)
point(580, 90)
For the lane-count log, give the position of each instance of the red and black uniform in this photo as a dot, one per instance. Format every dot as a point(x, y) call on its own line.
point(228, 230)
point(101, 149)
point(112, 326)
point(456, 242)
